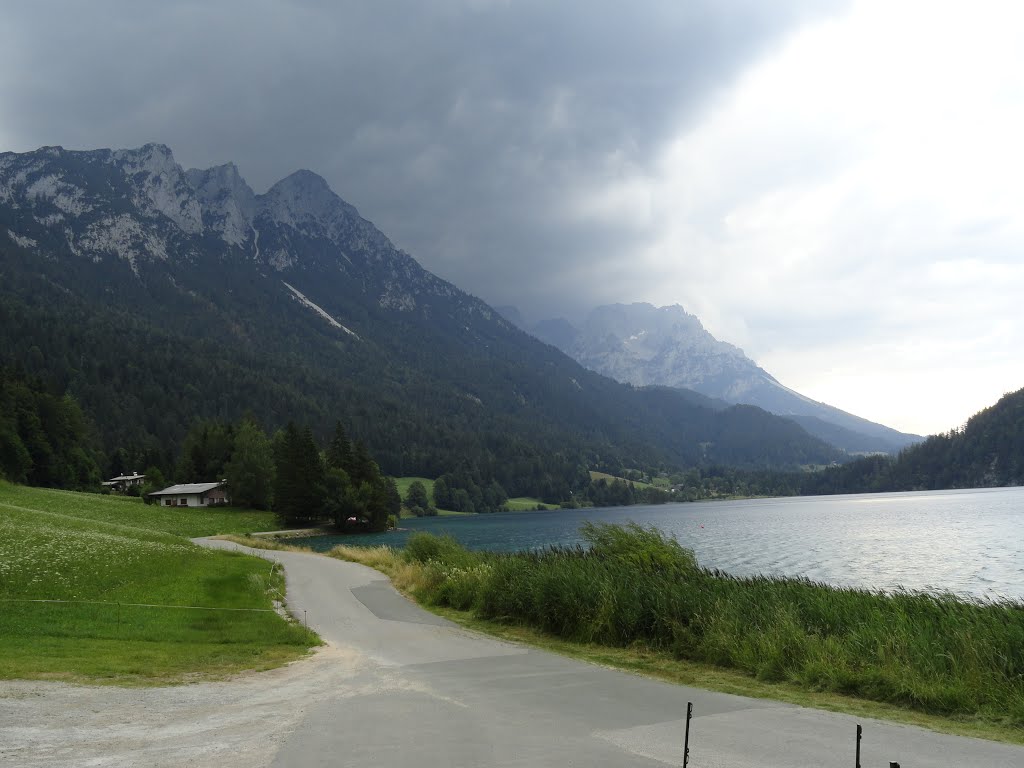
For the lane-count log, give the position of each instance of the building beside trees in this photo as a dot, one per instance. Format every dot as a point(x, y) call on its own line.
point(193, 495)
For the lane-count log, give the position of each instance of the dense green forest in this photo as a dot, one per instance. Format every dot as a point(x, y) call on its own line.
point(986, 451)
point(145, 361)
point(290, 473)
point(44, 440)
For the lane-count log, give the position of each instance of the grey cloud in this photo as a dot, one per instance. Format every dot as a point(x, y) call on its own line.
point(462, 129)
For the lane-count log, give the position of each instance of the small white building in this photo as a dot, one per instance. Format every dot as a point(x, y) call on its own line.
point(193, 495)
point(124, 482)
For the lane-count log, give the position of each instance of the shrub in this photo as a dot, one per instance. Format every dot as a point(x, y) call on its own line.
point(425, 547)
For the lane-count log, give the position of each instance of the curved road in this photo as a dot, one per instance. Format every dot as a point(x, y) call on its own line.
point(428, 693)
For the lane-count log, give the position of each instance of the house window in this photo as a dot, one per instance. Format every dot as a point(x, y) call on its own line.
point(168, 502)
point(182, 502)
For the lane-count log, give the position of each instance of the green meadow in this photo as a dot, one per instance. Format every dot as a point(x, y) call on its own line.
point(519, 504)
point(403, 483)
point(611, 478)
point(527, 504)
point(111, 561)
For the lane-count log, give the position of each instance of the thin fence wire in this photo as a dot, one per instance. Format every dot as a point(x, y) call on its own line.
point(134, 605)
point(274, 564)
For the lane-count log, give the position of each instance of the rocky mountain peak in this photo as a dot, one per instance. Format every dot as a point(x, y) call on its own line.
point(305, 203)
point(159, 185)
point(222, 181)
point(303, 195)
point(150, 160)
point(642, 344)
point(229, 204)
point(632, 322)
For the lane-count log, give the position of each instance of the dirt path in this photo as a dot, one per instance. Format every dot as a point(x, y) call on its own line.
point(242, 722)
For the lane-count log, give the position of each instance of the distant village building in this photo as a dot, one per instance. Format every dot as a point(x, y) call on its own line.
point(193, 495)
point(123, 482)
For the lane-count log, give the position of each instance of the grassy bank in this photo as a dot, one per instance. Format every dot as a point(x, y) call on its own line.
point(638, 591)
point(518, 504)
point(403, 483)
point(111, 559)
point(527, 504)
point(594, 475)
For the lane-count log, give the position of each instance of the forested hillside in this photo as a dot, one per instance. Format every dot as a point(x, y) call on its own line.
point(43, 437)
point(158, 299)
point(987, 451)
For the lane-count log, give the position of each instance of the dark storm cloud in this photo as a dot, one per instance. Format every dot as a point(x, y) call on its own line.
point(463, 129)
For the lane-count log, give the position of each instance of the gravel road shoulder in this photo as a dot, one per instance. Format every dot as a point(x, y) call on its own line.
point(241, 722)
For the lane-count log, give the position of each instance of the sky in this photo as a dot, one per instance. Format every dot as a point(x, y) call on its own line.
point(835, 187)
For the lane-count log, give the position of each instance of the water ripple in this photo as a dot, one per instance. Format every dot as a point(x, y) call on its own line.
point(966, 542)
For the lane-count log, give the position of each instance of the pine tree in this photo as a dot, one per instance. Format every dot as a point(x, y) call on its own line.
point(443, 492)
point(363, 468)
point(299, 491)
point(250, 472)
point(339, 452)
point(416, 500)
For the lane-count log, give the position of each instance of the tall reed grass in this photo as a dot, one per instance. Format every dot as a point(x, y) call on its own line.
point(634, 585)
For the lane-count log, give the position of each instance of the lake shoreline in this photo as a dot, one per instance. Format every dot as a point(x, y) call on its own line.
point(935, 541)
point(883, 656)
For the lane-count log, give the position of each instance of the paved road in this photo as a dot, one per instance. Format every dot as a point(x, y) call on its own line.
point(429, 693)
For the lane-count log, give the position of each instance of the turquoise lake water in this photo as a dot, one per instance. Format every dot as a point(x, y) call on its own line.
point(967, 542)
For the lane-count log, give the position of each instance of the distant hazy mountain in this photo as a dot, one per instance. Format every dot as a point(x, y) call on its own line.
point(159, 296)
point(643, 345)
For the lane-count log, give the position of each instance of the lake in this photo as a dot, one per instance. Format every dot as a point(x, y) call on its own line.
point(967, 542)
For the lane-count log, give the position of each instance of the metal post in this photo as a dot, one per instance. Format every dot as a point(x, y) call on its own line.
point(686, 740)
point(306, 625)
point(857, 764)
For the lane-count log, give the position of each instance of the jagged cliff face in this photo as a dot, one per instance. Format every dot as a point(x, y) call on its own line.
point(228, 203)
point(643, 345)
point(140, 206)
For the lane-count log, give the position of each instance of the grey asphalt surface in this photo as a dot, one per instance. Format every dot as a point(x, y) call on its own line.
point(429, 693)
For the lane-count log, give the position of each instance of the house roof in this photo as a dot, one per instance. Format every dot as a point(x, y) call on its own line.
point(126, 477)
point(187, 488)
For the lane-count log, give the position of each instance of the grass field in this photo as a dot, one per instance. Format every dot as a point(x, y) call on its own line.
point(611, 478)
point(526, 503)
point(125, 510)
point(403, 484)
point(114, 557)
point(520, 504)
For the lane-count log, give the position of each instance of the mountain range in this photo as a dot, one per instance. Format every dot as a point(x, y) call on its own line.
point(645, 345)
point(158, 296)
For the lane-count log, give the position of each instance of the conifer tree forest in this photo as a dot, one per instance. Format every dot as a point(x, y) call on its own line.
point(47, 440)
